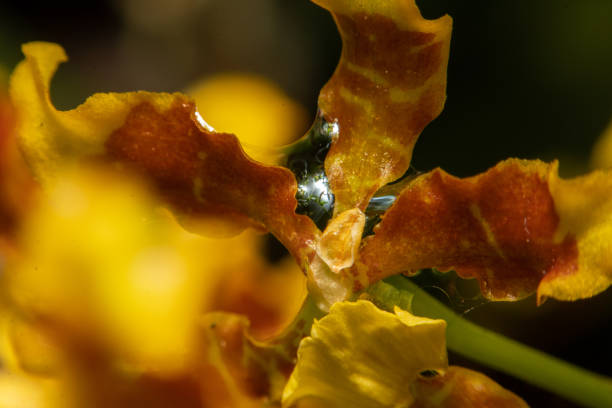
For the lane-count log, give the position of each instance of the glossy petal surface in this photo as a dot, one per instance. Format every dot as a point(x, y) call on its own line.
point(204, 176)
point(517, 228)
point(361, 356)
point(390, 83)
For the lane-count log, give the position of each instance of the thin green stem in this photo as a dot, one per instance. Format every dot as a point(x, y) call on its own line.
point(506, 355)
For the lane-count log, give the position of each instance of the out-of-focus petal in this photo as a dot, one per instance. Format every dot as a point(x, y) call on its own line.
point(238, 371)
point(517, 228)
point(601, 158)
point(18, 391)
point(108, 300)
point(26, 349)
point(254, 109)
point(269, 295)
point(16, 183)
point(205, 176)
point(390, 83)
point(361, 356)
point(459, 387)
point(102, 264)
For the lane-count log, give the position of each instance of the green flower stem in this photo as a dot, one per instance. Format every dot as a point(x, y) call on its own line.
point(509, 356)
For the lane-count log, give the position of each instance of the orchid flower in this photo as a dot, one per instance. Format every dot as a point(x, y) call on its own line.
point(90, 321)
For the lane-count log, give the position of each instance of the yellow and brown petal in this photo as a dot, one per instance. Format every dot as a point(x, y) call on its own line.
point(204, 176)
point(269, 294)
point(459, 387)
point(518, 228)
point(109, 296)
point(389, 84)
point(361, 356)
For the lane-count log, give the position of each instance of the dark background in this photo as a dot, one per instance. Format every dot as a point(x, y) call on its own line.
point(528, 79)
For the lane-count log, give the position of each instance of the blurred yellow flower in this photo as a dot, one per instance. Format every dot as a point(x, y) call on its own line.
point(99, 262)
point(103, 269)
point(254, 109)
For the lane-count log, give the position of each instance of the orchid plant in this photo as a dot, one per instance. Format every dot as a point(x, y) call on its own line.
point(115, 265)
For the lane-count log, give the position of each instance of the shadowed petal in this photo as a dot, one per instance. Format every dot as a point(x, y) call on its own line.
point(16, 182)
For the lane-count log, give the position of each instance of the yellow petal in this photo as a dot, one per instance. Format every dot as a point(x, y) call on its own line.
point(238, 371)
point(601, 158)
point(361, 356)
point(518, 228)
point(50, 137)
point(584, 205)
point(254, 109)
point(23, 392)
point(204, 176)
point(389, 84)
point(102, 264)
point(269, 295)
point(27, 349)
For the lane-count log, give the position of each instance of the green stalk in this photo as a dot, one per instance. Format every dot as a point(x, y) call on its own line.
point(508, 356)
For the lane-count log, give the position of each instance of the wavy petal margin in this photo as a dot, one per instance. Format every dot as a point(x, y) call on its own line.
point(361, 356)
point(518, 228)
point(389, 84)
point(205, 176)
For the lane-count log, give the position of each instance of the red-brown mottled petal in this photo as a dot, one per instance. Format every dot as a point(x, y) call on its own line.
point(517, 228)
point(206, 175)
point(459, 387)
point(390, 83)
point(203, 175)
